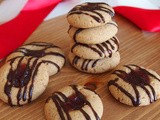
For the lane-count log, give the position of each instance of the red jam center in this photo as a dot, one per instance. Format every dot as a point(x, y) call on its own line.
point(75, 102)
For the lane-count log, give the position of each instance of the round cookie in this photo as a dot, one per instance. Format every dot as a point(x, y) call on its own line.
point(134, 85)
point(95, 35)
point(52, 55)
point(89, 15)
point(94, 66)
point(74, 103)
point(96, 51)
point(22, 81)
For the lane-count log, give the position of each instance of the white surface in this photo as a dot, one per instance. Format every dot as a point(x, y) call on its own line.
point(10, 9)
point(66, 5)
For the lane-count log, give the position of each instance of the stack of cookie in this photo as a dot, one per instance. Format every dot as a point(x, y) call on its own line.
point(94, 46)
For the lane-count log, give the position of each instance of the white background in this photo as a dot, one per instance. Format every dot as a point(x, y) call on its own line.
point(66, 5)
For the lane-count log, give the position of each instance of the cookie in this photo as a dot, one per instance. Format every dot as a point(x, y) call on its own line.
point(94, 66)
point(134, 85)
point(74, 103)
point(52, 55)
point(95, 35)
point(22, 81)
point(89, 15)
point(96, 51)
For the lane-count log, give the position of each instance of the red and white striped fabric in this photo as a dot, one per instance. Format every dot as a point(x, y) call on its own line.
point(15, 32)
point(143, 13)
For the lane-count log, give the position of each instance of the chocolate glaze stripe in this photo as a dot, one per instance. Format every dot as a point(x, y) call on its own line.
point(113, 82)
point(112, 23)
point(78, 93)
point(27, 73)
point(135, 78)
point(154, 94)
point(31, 86)
point(69, 28)
point(63, 105)
point(85, 114)
point(119, 74)
point(94, 63)
point(115, 40)
point(108, 50)
point(19, 78)
point(106, 47)
point(75, 60)
point(81, 29)
point(107, 10)
point(56, 54)
point(100, 15)
point(59, 106)
point(87, 46)
point(38, 53)
point(92, 7)
point(150, 74)
point(152, 89)
point(107, 5)
point(67, 104)
point(9, 83)
point(85, 63)
point(110, 44)
point(152, 99)
point(53, 63)
point(99, 47)
point(86, 68)
point(76, 33)
point(34, 74)
point(145, 89)
point(27, 52)
point(94, 17)
point(13, 59)
point(67, 113)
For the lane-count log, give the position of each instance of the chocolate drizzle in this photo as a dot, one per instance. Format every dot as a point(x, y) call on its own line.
point(94, 63)
point(36, 53)
point(136, 77)
point(113, 23)
point(87, 46)
point(40, 53)
point(95, 8)
point(81, 29)
point(85, 63)
point(23, 75)
point(74, 102)
point(20, 78)
point(75, 60)
point(102, 48)
point(76, 33)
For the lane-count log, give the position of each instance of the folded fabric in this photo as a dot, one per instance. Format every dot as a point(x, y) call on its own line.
point(15, 32)
point(146, 19)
